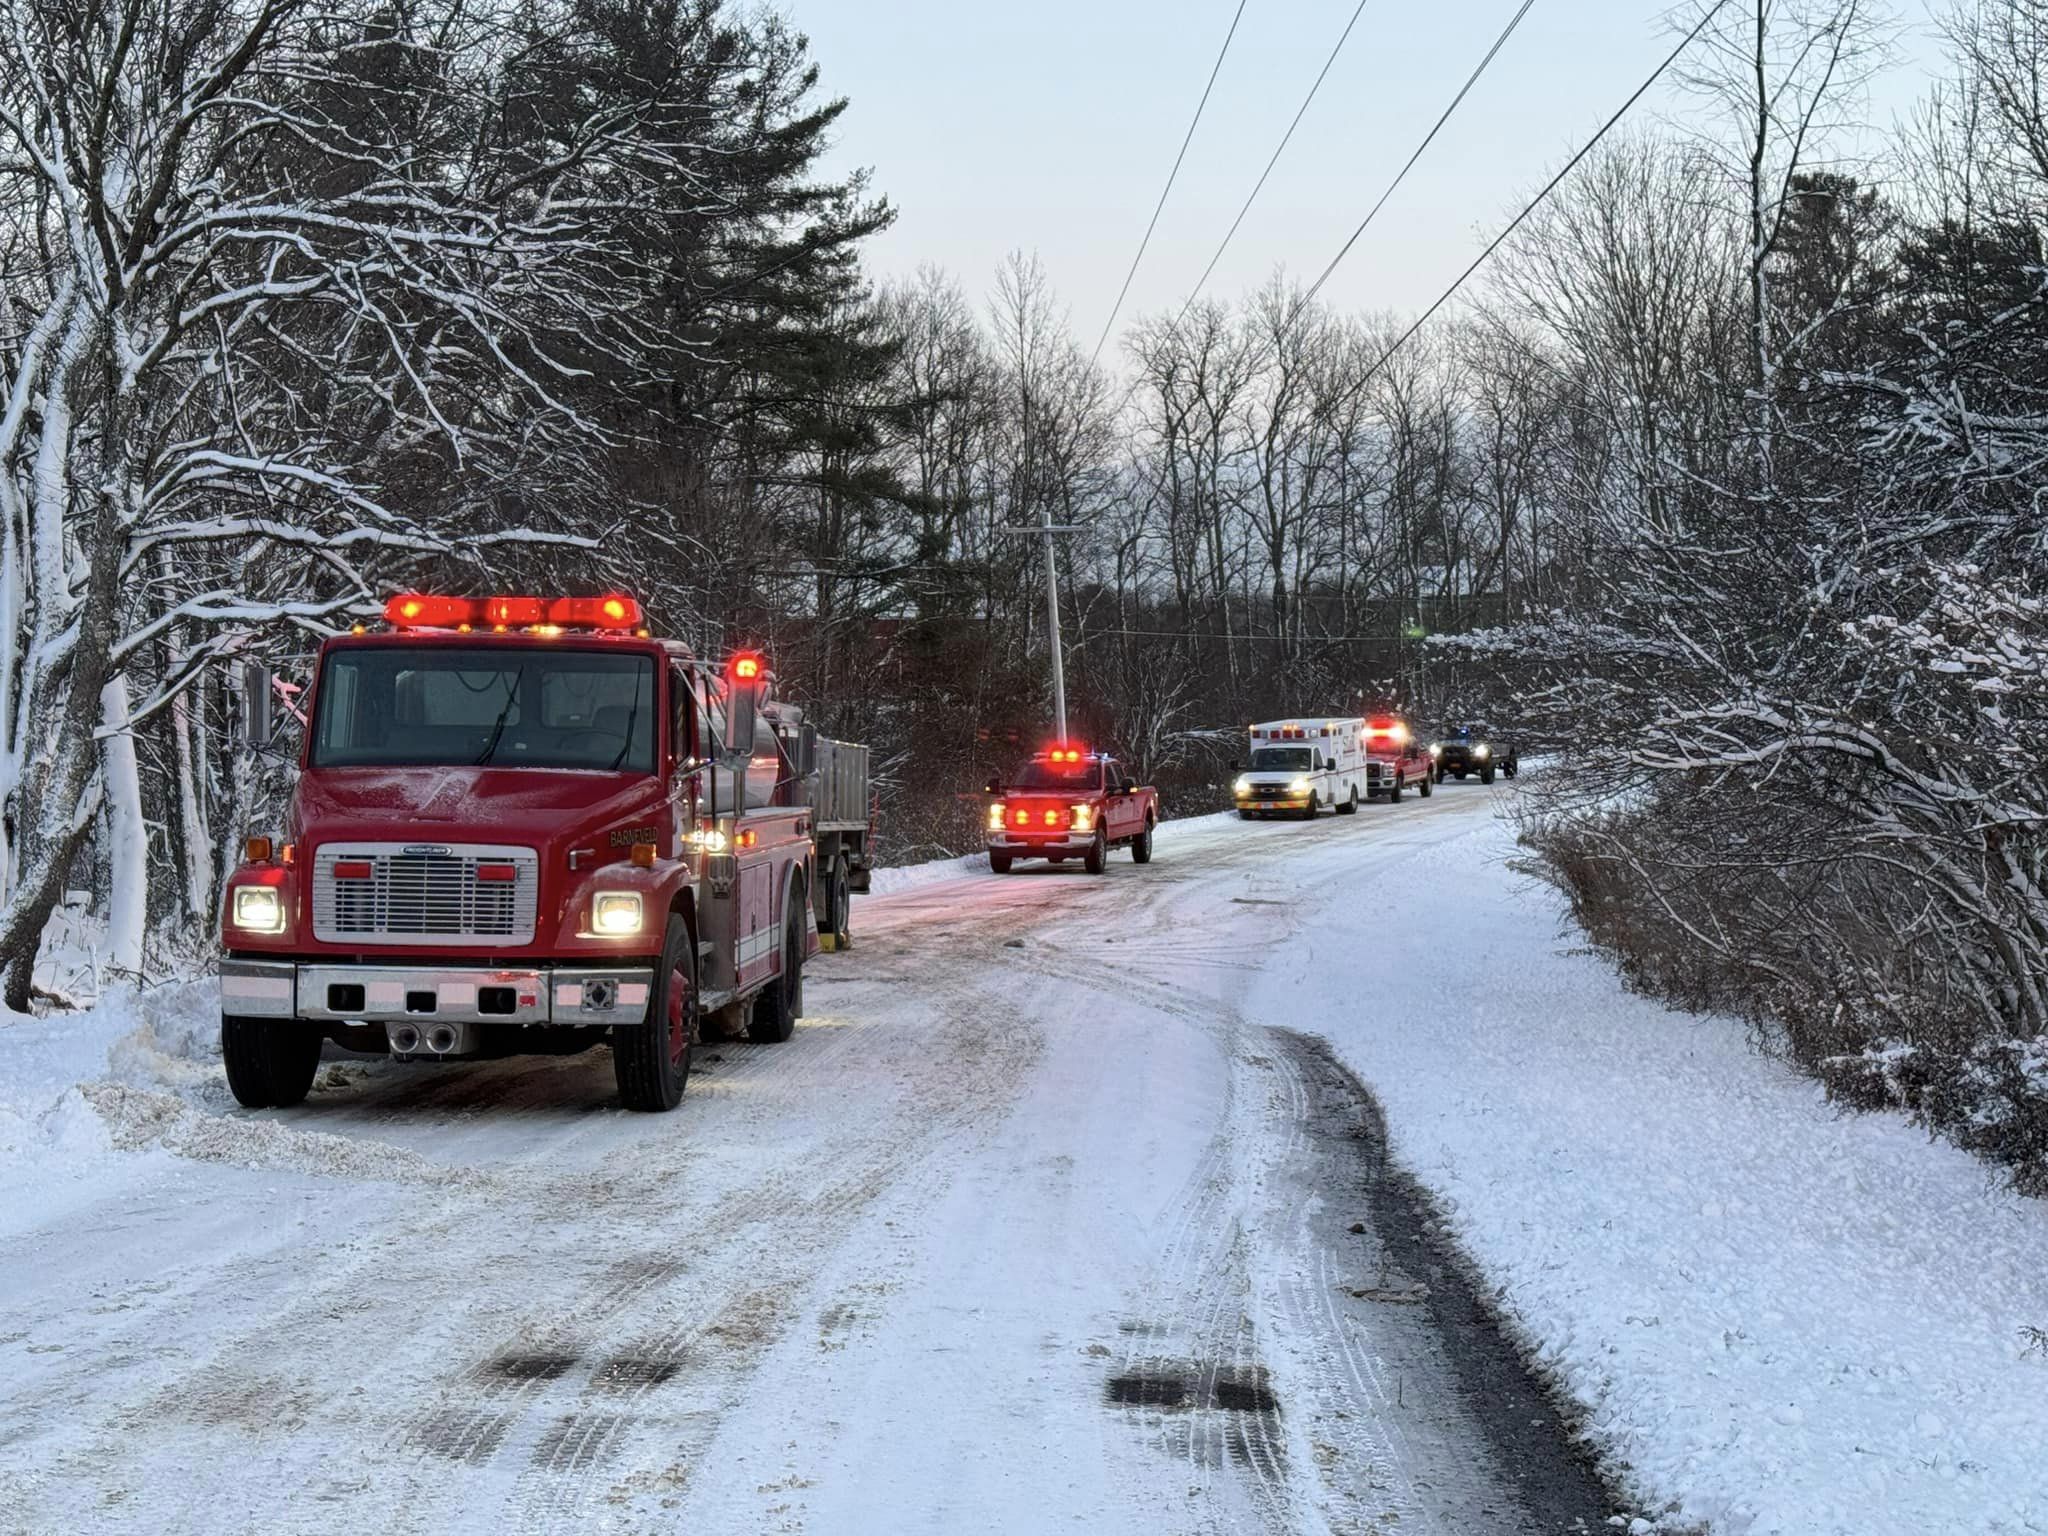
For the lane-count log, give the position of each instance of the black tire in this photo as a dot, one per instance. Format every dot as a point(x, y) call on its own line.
point(1439, 775)
point(835, 900)
point(1486, 774)
point(999, 860)
point(651, 1059)
point(270, 1062)
point(1511, 768)
point(1096, 859)
point(1394, 794)
point(1428, 785)
point(1141, 845)
point(1247, 815)
point(781, 1002)
point(1350, 806)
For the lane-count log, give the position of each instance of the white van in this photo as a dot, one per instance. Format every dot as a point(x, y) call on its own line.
point(1299, 766)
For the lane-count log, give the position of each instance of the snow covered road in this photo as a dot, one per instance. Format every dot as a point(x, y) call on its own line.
point(1063, 1211)
point(1031, 1228)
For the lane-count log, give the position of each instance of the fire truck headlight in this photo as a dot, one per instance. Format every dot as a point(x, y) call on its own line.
point(995, 816)
point(1084, 818)
point(257, 909)
point(615, 912)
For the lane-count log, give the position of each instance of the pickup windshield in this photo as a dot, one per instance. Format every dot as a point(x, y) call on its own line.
point(1065, 777)
point(390, 707)
point(1283, 760)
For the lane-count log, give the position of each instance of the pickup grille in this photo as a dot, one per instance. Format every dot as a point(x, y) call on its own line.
point(414, 893)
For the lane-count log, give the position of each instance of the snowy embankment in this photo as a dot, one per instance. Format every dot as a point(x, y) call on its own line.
point(1777, 1318)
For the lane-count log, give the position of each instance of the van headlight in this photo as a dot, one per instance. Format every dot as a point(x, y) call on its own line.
point(1242, 787)
point(258, 910)
point(615, 913)
point(1300, 786)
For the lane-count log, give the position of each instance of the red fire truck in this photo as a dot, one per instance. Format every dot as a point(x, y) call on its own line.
point(527, 825)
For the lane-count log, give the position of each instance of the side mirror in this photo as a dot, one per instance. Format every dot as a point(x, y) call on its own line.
point(258, 719)
point(1329, 765)
point(994, 786)
point(742, 712)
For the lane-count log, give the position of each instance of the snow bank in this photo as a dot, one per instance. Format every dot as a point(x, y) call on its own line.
point(1778, 1318)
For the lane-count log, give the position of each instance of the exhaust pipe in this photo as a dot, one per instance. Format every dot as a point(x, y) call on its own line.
point(442, 1039)
point(405, 1039)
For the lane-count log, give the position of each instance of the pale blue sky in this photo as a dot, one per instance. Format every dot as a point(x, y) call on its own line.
point(1051, 126)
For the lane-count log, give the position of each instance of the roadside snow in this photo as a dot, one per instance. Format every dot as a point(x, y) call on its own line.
point(1779, 1318)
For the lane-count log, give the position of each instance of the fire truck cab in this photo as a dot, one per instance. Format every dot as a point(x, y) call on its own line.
point(523, 825)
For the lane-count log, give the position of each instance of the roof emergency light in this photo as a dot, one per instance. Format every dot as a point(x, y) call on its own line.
point(419, 610)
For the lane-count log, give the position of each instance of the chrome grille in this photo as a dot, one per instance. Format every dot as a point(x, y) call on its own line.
point(424, 894)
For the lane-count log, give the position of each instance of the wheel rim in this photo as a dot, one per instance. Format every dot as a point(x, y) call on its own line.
point(682, 1000)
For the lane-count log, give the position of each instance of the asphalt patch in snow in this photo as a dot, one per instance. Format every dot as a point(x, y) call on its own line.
point(527, 1367)
point(1227, 1389)
point(1552, 1474)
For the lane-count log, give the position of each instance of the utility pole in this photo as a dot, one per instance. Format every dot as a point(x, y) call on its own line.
point(1047, 529)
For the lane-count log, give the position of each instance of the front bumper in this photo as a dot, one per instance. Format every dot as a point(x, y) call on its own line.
point(1035, 843)
point(372, 993)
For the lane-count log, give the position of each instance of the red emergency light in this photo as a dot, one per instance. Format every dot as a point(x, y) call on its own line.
point(1065, 754)
point(747, 667)
point(419, 610)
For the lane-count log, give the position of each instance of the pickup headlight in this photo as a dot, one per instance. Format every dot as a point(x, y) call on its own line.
point(258, 910)
point(1084, 818)
point(1482, 750)
point(995, 816)
point(1435, 749)
point(615, 913)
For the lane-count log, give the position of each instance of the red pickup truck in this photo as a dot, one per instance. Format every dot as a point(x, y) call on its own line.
point(1069, 803)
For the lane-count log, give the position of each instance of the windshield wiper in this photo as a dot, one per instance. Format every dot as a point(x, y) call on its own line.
point(632, 719)
point(497, 730)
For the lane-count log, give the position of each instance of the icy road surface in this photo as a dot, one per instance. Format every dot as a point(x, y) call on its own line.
point(1032, 1228)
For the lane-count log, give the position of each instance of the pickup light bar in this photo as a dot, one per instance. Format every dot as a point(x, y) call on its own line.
point(419, 610)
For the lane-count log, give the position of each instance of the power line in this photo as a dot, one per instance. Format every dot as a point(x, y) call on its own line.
point(1456, 101)
point(1285, 140)
point(1166, 191)
point(1535, 202)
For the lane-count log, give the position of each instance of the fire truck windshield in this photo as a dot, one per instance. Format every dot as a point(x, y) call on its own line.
point(1040, 773)
point(392, 707)
point(1283, 760)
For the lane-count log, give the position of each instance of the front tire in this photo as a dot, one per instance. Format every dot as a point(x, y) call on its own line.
point(1096, 860)
point(651, 1059)
point(1394, 794)
point(1141, 845)
point(1486, 774)
point(270, 1062)
point(1428, 785)
point(999, 860)
point(1350, 806)
point(781, 1002)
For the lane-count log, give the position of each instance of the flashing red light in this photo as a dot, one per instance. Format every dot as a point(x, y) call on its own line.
point(1052, 818)
point(609, 612)
point(747, 667)
point(1022, 818)
point(1064, 754)
point(416, 610)
point(514, 610)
